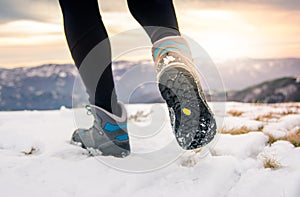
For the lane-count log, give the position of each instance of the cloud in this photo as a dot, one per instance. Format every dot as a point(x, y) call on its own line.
point(31, 30)
point(284, 4)
point(9, 11)
point(45, 10)
point(39, 10)
point(48, 10)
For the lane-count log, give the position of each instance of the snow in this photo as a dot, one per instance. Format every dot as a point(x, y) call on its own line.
point(231, 123)
point(241, 146)
point(233, 165)
point(283, 126)
point(283, 182)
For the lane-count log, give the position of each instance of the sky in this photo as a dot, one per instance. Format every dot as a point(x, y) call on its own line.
point(31, 31)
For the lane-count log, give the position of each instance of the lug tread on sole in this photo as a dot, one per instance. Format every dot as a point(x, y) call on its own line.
point(179, 89)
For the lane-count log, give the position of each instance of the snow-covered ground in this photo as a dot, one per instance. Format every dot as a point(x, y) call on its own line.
point(38, 160)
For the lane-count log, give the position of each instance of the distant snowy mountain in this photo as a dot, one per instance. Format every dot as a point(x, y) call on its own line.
point(51, 86)
point(44, 87)
point(242, 73)
point(285, 89)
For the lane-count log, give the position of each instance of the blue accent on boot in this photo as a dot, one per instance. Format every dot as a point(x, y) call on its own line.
point(182, 46)
point(168, 49)
point(122, 137)
point(112, 128)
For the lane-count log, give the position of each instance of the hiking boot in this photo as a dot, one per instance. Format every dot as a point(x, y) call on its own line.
point(107, 136)
point(192, 120)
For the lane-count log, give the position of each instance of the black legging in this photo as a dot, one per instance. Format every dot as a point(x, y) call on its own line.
point(84, 29)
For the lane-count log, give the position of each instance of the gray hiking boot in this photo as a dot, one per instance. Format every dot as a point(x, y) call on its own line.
point(107, 136)
point(192, 120)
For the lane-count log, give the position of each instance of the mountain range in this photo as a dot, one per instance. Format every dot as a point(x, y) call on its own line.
point(51, 86)
point(286, 89)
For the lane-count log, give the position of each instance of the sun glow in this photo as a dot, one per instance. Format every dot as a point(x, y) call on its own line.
point(243, 33)
point(225, 33)
point(25, 32)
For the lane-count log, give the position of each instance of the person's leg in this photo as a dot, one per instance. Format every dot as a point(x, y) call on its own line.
point(178, 80)
point(86, 33)
point(84, 29)
point(156, 16)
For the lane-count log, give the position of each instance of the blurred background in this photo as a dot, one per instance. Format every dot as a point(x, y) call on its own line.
point(255, 45)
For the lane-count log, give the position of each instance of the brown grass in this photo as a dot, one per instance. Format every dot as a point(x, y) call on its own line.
point(235, 131)
point(287, 105)
point(293, 138)
point(239, 131)
point(267, 117)
point(271, 163)
point(272, 139)
point(274, 115)
point(235, 113)
point(288, 112)
point(279, 105)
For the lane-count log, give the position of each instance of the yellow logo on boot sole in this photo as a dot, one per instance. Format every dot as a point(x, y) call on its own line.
point(186, 111)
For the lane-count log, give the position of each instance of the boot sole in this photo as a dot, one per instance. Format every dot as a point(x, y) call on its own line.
point(194, 124)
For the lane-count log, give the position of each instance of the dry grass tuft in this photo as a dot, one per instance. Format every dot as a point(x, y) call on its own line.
point(266, 117)
point(271, 163)
point(235, 131)
point(272, 139)
point(288, 112)
point(239, 131)
point(286, 105)
point(274, 115)
point(294, 138)
point(235, 113)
